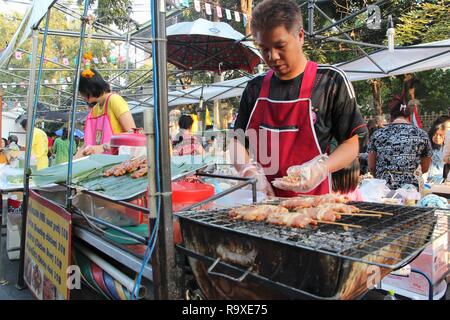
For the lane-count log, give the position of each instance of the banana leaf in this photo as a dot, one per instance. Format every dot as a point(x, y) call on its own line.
point(124, 187)
point(81, 168)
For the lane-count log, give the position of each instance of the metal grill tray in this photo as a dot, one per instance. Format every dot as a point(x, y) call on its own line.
point(390, 241)
point(234, 259)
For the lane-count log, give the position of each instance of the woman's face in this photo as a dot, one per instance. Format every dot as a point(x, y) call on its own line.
point(439, 137)
point(89, 99)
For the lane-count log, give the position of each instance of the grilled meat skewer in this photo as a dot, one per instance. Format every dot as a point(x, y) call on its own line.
point(256, 212)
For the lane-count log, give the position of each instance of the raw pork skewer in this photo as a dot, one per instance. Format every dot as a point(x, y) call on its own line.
point(256, 212)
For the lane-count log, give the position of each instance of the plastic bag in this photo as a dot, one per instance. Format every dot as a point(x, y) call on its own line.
point(374, 190)
point(433, 201)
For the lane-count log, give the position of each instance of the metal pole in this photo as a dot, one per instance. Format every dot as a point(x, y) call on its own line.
point(149, 127)
point(311, 17)
point(29, 142)
point(74, 106)
point(163, 259)
point(350, 38)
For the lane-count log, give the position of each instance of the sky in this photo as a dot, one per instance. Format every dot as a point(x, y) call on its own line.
point(141, 8)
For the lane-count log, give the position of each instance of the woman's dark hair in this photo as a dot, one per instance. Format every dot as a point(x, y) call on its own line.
point(5, 141)
point(185, 121)
point(399, 108)
point(438, 124)
point(65, 134)
point(346, 180)
point(93, 87)
point(13, 138)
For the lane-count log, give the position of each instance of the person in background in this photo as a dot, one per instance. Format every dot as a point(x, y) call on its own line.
point(396, 151)
point(185, 142)
point(372, 126)
point(380, 121)
point(79, 142)
point(3, 155)
point(61, 148)
point(13, 143)
point(51, 136)
point(110, 114)
point(437, 137)
point(346, 181)
point(39, 148)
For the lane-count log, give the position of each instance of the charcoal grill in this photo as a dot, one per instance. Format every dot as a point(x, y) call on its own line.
point(234, 259)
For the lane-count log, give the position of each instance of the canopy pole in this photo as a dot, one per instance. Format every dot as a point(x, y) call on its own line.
point(71, 128)
point(163, 259)
point(31, 116)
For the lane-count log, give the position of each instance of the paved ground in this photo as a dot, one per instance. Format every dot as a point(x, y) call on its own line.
point(9, 291)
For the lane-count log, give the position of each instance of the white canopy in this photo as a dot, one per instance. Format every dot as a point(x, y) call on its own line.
point(403, 60)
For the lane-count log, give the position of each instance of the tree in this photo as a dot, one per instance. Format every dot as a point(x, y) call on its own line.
point(58, 47)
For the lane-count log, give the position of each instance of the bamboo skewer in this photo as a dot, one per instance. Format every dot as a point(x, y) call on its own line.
point(377, 212)
point(361, 215)
point(339, 224)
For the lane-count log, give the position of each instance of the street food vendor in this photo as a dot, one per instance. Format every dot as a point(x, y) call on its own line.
point(294, 110)
point(39, 148)
point(110, 114)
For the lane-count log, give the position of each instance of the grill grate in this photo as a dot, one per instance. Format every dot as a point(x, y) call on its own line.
point(390, 241)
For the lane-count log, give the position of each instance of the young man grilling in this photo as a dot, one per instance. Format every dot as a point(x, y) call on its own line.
point(293, 112)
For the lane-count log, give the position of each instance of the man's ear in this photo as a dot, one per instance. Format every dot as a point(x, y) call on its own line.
point(301, 36)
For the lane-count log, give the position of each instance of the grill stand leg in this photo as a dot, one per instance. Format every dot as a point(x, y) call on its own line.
point(430, 283)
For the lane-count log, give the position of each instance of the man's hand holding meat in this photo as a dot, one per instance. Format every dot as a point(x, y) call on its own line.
point(306, 177)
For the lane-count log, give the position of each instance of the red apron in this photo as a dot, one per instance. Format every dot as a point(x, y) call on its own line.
point(290, 125)
point(98, 130)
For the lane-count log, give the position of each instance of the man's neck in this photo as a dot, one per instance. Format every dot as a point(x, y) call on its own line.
point(298, 70)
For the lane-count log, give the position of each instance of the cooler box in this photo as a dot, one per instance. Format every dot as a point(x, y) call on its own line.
point(133, 144)
point(13, 225)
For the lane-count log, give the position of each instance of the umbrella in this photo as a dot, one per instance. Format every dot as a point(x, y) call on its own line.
point(208, 45)
point(78, 133)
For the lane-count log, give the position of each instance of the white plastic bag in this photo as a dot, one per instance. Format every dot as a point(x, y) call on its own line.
point(374, 190)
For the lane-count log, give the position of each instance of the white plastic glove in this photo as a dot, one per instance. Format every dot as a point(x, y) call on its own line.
point(305, 177)
point(257, 172)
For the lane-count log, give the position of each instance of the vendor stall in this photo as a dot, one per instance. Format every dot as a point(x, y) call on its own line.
point(111, 215)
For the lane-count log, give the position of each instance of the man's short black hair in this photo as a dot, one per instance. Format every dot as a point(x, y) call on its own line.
point(93, 87)
point(13, 138)
point(270, 14)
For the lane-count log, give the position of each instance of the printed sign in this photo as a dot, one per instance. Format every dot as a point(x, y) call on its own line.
point(47, 249)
